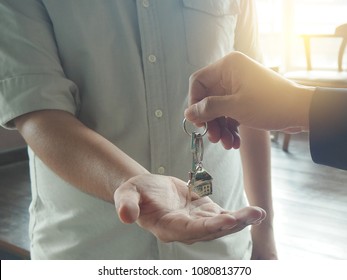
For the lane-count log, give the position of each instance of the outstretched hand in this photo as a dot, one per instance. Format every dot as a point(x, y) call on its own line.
point(161, 205)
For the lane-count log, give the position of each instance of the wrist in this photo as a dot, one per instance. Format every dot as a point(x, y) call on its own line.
point(302, 98)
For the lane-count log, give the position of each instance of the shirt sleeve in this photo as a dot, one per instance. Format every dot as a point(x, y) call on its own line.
point(246, 32)
point(328, 127)
point(31, 75)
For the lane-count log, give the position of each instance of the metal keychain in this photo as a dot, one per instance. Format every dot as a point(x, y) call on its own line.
point(200, 181)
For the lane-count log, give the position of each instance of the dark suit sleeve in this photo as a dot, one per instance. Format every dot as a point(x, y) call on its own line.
point(328, 127)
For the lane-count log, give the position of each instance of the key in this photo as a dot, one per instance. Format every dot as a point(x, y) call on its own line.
point(190, 185)
point(200, 181)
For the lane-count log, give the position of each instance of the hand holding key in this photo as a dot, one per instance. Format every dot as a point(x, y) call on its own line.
point(200, 181)
point(159, 204)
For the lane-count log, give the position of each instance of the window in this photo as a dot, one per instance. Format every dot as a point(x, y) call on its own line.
point(281, 21)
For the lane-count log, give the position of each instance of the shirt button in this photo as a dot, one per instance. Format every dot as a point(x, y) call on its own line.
point(152, 58)
point(145, 3)
point(161, 170)
point(158, 113)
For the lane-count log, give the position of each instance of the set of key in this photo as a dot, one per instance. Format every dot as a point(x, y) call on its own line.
point(200, 181)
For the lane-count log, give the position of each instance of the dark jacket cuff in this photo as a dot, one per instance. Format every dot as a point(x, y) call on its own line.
point(328, 127)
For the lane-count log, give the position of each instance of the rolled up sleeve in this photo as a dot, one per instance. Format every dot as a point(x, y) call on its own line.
point(31, 75)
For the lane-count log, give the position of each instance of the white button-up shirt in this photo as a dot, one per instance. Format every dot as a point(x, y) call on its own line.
point(122, 68)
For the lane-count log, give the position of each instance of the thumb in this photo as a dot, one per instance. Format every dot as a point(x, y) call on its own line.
point(126, 200)
point(210, 108)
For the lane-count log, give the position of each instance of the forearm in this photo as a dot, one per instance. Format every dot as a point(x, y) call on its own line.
point(77, 154)
point(255, 151)
point(256, 162)
point(302, 97)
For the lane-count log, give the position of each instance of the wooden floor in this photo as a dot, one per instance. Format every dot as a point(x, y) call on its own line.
point(310, 204)
point(15, 198)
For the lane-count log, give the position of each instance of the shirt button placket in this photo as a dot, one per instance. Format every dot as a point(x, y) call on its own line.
point(158, 113)
point(151, 47)
point(145, 3)
point(152, 58)
point(161, 170)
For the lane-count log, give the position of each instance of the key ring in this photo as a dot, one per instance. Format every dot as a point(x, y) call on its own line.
point(197, 149)
point(191, 133)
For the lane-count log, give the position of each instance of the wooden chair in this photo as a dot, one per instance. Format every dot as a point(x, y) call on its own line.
point(322, 78)
point(336, 78)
